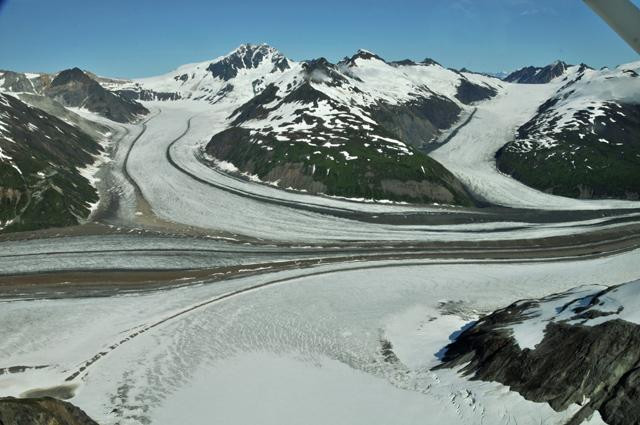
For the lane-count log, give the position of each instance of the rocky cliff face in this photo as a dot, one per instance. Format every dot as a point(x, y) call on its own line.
point(468, 93)
point(41, 411)
point(16, 82)
point(247, 56)
point(579, 347)
point(537, 75)
point(75, 88)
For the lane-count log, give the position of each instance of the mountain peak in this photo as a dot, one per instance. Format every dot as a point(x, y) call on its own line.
point(559, 65)
point(410, 62)
point(322, 71)
point(538, 75)
point(429, 61)
point(71, 75)
point(404, 62)
point(250, 47)
point(248, 56)
point(362, 54)
point(366, 54)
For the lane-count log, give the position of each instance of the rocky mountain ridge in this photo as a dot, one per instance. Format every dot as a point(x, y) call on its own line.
point(538, 75)
point(579, 347)
point(74, 88)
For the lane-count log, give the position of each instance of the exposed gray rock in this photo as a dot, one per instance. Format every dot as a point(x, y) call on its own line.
point(417, 121)
point(404, 62)
point(537, 75)
point(16, 82)
point(468, 92)
point(75, 88)
point(255, 107)
point(596, 366)
point(361, 54)
point(41, 411)
point(50, 106)
point(245, 57)
point(429, 61)
point(322, 71)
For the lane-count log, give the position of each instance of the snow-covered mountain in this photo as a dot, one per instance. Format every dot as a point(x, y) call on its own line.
point(362, 110)
point(233, 78)
point(345, 129)
point(584, 141)
point(540, 75)
point(412, 101)
point(304, 121)
point(364, 79)
point(581, 347)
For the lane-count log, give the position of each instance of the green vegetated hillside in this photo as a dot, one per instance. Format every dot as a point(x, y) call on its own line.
point(40, 157)
point(585, 141)
point(355, 169)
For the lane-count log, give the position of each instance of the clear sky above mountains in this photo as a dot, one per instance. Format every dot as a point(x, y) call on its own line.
point(148, 37)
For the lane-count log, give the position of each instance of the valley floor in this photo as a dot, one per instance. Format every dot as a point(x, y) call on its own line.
point(282, 307)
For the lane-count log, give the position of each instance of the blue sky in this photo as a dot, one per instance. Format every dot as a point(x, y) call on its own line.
point(136, 38)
